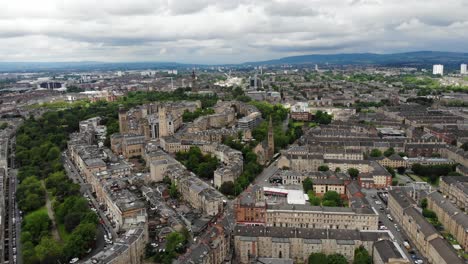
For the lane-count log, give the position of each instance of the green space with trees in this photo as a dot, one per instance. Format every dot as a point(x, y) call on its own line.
point(175, 245)
point(321, 258)
point(322, 118)
point(38, 147)
point(39, 143)
point(188, 116)
point(278, 115)
point(375, 153)
point(431, 173)
point(353, 173)
point(330, 198)
point(362, 256)
point(202, 165)
point(251, 166)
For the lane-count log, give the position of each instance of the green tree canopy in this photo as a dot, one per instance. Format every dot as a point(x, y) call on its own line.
point(37, 224)
point(308, 185)
point(376, 153)
point(336, 259)
point(390, 151)
point(318, 258)
point(390, 170)
point(353, 173)
point(227, 188)
point(361, 256)
point(323, 118)
point(80, 240)
point(332, 198)
point(49, 250)
point(323, 168)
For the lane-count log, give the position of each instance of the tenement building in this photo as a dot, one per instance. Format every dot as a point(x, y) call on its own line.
point(385, 252)
point(423, 234)
point(252, 242)
point(456, 188)
point(253, 208)
point(453, 219)
point(307, 216)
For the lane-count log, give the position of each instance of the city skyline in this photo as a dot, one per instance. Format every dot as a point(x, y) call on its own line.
point(214, 32)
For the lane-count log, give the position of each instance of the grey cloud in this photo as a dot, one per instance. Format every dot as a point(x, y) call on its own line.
point(230, 30)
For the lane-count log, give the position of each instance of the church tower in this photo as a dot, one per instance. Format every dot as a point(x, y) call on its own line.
point(123, 125)
point(271, 141)
point(163, 129)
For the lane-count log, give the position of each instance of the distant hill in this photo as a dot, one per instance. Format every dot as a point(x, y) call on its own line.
point(85, 66)
point(451, 60)
point(418, 58)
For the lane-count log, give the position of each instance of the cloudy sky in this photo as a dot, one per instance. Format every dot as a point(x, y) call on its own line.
point(225, 31)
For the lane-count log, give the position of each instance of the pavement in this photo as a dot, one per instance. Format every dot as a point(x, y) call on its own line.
point(14, 226)
point(262, 178)
point(399, 236)
point(73, 174)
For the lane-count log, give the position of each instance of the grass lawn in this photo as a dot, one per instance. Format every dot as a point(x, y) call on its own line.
point(424, 179)
point(453, 241)
point(43, 209)
point(63, 233)
point(298, 124)
point(60, 105)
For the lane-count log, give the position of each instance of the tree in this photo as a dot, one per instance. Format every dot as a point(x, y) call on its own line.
point(29, 252)
point(361, 256)
point(308, 185)
point(174, 242)
point(323, 118)
point(173, 192)
point(37, 224)
point(424, 203)
point(394, 182)
point(318, 258)
point(80, 240)
point(353, 173)
point(49, 250)
point(331, 198)
point(227, 188)
point(313, 199)
point(167, 180)
point(323, 168)
point(401, 170)
point(72, 220)
point(336, 259)
point(429, 213)
point(390, 151)
point(402, 154)
point(390, 170)
point(376, 153)
point(337, 169)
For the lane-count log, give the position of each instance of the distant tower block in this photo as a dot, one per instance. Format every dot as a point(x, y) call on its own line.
point(463, 69)
point(438, 69)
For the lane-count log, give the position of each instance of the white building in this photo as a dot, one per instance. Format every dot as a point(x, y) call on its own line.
point(463, 69)
point(438, 69)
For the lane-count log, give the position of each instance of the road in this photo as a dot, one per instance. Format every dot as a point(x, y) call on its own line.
point(14, 225)
point(400, 235)
point(76, 177)
point(262, 178)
